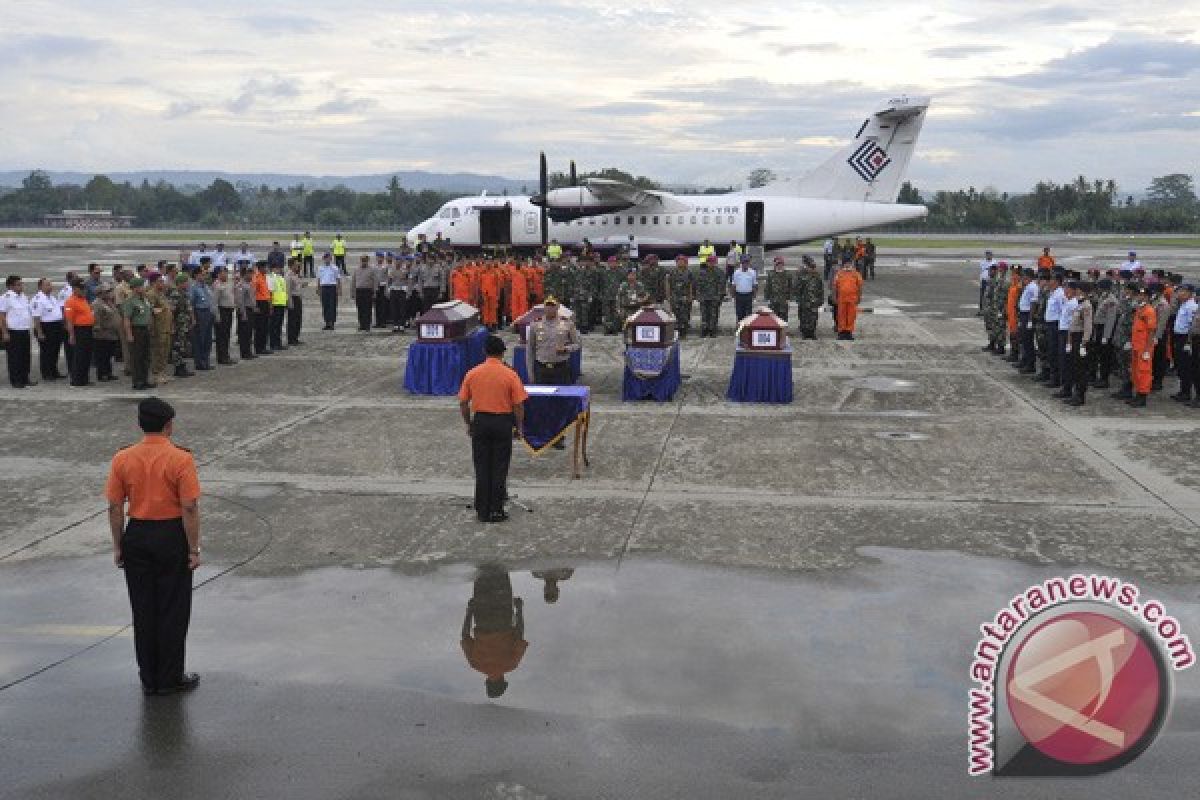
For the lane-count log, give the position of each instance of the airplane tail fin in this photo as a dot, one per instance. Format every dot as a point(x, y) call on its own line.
point(870, 168)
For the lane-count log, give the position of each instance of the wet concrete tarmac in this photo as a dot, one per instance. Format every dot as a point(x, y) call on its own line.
point(766, 601)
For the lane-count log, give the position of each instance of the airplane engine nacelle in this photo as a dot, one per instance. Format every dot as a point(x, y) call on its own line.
point(574, 202)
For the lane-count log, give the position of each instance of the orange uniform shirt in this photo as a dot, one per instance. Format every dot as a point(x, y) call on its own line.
point(1045, 262)
point(847, 286)
point(78, 311)
point(1010, 306)
point(518, 298)
point(156, 476)
point(261, 292)
point(494, 654)
point(1145, 320)
point(492, 388)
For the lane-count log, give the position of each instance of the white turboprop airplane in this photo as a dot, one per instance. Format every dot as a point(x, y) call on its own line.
point(854, 190)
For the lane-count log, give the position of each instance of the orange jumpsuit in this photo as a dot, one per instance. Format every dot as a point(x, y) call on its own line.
point(847, 291)
point(1145, 320)
point(460, 285)
point(1010, 307)
point(518, 295)
point(489, 297)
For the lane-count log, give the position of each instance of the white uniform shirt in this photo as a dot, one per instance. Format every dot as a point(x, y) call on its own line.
point(328, 275)
point(1132, 265)
point(829, 250)
point(1029, 296)
point(219, 258)
point(1066, 312)
point(633, 247)
point(1054, 305)
point(16, 311)
point(46, 307)
point(744, 280)
point(984, 266)
point(1184, 316)
point(194, 258)
point(243, 257)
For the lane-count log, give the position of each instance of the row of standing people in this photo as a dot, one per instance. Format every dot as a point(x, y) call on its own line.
point(1071, 333)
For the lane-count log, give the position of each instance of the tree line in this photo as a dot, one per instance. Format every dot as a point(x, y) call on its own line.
point(1082, 205)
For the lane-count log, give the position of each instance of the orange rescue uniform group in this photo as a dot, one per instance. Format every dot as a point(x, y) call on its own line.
point(501, 290)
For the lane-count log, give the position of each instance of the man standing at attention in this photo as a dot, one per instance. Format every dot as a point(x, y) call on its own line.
point(490, 402)
point(15, 323)
point(159, 547)
point(338, 246)
point(329, 288)
point(743, 284)
point(847, 292)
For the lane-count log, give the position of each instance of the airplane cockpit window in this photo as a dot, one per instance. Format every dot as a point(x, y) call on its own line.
point(454, 213)
point(444, 213)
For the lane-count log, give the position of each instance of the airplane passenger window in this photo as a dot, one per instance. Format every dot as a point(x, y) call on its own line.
point(667, 220)
point(731, 220)
point(631, 220)
point(604, 220)
point(617, 220)
point(454, 213)
point(680, 219)
point(693, 220)
point(705, 219)
point(656, 220)
point(444, 214)
point(591, 220)
point(643, 220)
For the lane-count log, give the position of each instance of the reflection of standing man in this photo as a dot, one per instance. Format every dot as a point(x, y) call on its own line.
point(552, 577)
point(493, 631)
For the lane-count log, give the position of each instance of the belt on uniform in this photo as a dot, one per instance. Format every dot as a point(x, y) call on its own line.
point(551, 363)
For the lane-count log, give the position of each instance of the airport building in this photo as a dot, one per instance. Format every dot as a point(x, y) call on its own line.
point(98, 219)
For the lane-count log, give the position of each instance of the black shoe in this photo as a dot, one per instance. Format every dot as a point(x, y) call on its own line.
point(1137, 401)
point(1075, 401)
point(1062, 393)
point(498, 516)
point(186, 682)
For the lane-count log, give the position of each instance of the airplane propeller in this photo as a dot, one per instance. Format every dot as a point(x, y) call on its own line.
point(544, 187)
point(574, 180)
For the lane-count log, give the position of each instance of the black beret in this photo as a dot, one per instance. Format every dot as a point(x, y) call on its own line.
point(1073, 284)
point(1104, 283)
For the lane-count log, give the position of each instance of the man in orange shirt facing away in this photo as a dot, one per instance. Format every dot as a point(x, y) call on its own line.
point(159, 547)
point(490, 401)
point(495, 643)
point(1045, 260)
point(847, 292)
point(1017, 283)
point(80, 319)
point(262, 305)
point(489, 297)
point(518, 293)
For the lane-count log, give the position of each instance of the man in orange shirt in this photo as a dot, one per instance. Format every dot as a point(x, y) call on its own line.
point(489, 297)
point(1016, 285)
point(847, 292)
point(518, 293)
point(1145, 322)
point(460, 283)
point(1045, 260)
point(498, 640)
point(262, 304)
point(490, 402)
point(80, 319)
point(159, 547)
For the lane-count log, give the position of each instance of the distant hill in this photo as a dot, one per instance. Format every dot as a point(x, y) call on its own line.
point(413, 180)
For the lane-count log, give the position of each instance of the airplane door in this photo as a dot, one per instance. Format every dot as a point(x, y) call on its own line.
point(531, 223)
point(495, 226)
point(754, 222)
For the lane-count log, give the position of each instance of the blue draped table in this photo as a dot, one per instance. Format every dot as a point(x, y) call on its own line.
point(439, 367)
point(661, 388)
point(551, 412)
point(761, 377)
point(576, 362)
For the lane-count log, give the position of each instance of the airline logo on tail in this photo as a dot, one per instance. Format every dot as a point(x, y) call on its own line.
point(869, 160)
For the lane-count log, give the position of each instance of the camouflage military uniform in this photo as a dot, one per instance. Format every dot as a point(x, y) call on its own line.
point(809, 291)
point(1123, 335)
point(554, 282)
point(651, 277)
point(181, 337)
point(682, 287)
point(583, 292)
point(610, 281)
point(778, 292)
point(160, 335)
point(629, 298)
point(710, 288)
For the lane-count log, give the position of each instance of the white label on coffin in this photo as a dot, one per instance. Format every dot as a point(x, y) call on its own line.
point(648, 333)
point(765, 338)
point(432, 331)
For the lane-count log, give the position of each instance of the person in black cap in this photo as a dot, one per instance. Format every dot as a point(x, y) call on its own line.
point(1104, 323)
point(159, 546)
point(490, 401)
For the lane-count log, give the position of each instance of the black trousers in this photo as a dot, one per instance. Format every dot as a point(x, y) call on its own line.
point(1185, 363)
point(363, 300)
point(262, 325)
point(277, 314)
point(552, 374)
point(102, 356)
point(983, 284)
point(382, 307)
point(1053, 350)
point(155, 553)
point(81, 356)
point(224, 331)
point(50, 346)
point(139, 355)
point(1076, 375)
point(743, 303)
point(491, 451)
point(309, 267)
point(245, 333)
point(202, 337)
point(329, 300)
point(1025, 327)
point(398, 301)
point(429, 296)
point(1102, 364)
point(1159, 361)
point(341, 264)
point(295, 318)
point(18, 358)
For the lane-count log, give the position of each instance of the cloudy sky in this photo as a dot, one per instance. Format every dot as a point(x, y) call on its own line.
point(688, 92)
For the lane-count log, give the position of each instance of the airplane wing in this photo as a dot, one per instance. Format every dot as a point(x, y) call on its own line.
point(619, 191)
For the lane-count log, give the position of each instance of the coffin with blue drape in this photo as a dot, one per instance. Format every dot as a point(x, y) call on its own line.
point(550, 411)
point(651, 373)
point(761, 377)
point(438, 368)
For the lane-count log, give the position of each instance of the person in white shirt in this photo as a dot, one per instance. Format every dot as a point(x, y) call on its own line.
point(219, 257)
point(634, 252)
point(1066, 312)
point(1025, 303)
point(202, 252)
point(743, 284)
point(15, 323)
point(984, 266)
point(46, 311)
point(1133, 263)
point(1054, 302)
point(1181, 342)
point(243, 257)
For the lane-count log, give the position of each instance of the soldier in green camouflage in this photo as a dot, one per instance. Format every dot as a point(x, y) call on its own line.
point(809, 290)
point(710, 290)
point(630, 295)
point(778, 289)
point(989, 318)
point(1123, 341)
point(554, 281)
point(681, 292)
point(651, 276)
point(610, 283)
point(582, 294)
point(181, 335)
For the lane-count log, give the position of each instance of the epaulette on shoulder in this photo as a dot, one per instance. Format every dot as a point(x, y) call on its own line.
point(126, 447)
point(181, 447)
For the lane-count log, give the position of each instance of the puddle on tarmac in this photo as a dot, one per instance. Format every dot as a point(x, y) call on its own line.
point(902, 436)
point(879, 383)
